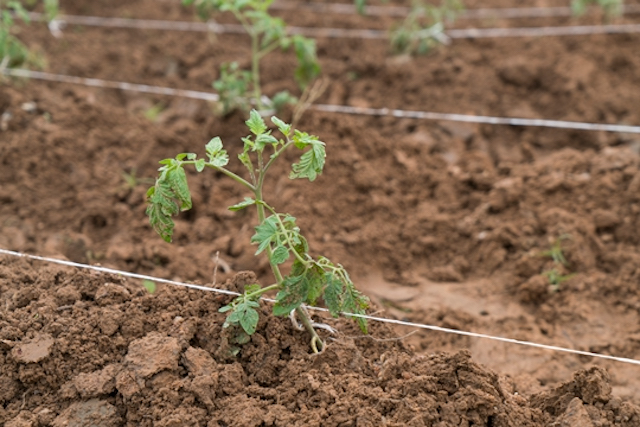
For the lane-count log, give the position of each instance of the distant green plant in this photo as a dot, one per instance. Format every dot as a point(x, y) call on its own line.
point(556, 278)
point(556, 254)
point(241, 89)
point(423, 29)
point(152, 113)
point(610, 7)
point(51, 8)
point(14, 53)
point(276, 234)
point(149, 285)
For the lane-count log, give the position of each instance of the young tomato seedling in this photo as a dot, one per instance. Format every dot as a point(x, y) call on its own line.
point(277, 234)
point(238, 88)
point(555, 276)
point(610, 7)
point(423, 28)
point(12, 51)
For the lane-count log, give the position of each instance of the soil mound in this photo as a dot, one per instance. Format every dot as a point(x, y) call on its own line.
point(86, 349)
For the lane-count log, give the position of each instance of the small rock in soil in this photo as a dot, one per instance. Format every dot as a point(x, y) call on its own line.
point(33, 350)
point(97, 383)
point(152, 354)
point(68, 295)
point(112, 293)
point(24, 419)
point(92, 413)
point(575, 416)
point(199, 362)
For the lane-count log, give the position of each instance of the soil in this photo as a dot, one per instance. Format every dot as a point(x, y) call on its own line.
point(440, 223)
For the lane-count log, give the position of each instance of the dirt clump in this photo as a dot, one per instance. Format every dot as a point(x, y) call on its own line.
point(166, 371)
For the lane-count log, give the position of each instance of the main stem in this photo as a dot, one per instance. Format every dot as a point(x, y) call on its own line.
point(255, 69)
point(316, 341)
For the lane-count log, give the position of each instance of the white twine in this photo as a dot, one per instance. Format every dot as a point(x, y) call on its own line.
point(480, 13)
point(133, 87)
point(373, 318)
point(560, 124)
point(471, 33)
point(582, 30)
point(424, 115)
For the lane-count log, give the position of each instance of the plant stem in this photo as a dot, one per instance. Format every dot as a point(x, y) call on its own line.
point(315, 338)
point(302, 314)
point(260, 208)
point(235, 177)
point(255, 70)
point(225, 171)
point(275, 156)
point(262, 291)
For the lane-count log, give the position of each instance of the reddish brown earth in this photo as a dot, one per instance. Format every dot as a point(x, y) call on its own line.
point(438, 222)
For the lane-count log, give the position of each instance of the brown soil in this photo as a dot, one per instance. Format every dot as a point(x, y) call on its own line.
point(439, 223)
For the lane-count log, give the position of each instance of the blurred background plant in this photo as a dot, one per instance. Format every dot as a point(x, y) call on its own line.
point(423, 28)
point(611, 8)
point(13, 52)
point(241, 89)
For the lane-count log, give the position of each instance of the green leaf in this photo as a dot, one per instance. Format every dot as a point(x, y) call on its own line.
point(214, 146)
point(249, 289)
point(200, 165)
point(332, 294)
point(168, 196)
point(283, 127)
point(302, 139)
point(19, 10)
point(281, 99)
point(245, 159)
point(265, 233)
point(249, 320)
point(354, 302)
point(51, 9)
point(308, 66)
point(248, 201)
point(263, 139)
point(217, 156)
point(290, 297)
point(303, 285)
point(311, 163)
point(149, 285)
point(159, 211)
point(234, 317)
point(177, 179)
point(192, 156)
point(248, 145)
point(315, 284)
point(241, 338)
point(256, 124)
point(225, 308)
point(279, 255)
point(243, 313)
point(232, 87)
